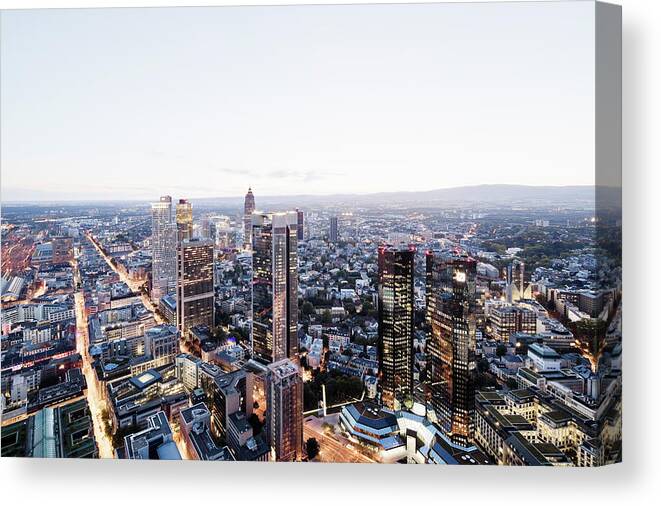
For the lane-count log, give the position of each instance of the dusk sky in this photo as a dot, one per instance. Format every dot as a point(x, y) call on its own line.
point(203, 102)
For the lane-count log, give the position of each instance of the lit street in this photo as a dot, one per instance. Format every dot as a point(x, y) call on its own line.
point(133, 285)
point(96, 403)
point(333, 447)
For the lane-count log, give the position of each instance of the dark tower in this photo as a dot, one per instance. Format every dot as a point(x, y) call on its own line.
point(452, 347)
point(396, 325)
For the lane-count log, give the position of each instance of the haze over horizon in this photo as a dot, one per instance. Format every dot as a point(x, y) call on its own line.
point(308, 100)
point(456, 193)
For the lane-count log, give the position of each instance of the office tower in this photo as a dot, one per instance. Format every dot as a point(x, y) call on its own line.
point(184, 220)
point(248, 210)
point(285, 410)
point(274, 287)
point(195, 293)
point(333, 235)
point(164, 248)
point(396, 325)
point(300, 223)
point(451, 280)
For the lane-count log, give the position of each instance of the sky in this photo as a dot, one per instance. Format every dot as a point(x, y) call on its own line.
point(117, 104)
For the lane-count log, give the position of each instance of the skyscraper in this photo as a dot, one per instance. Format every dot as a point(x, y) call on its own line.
point(184, 220)
point(334, 233)
point(300, 223)
point(396, 270)
point(452, 299)
point(195, 293)
point(248, 210)
point(164, 248)
point(274, 287)
point(284, 401)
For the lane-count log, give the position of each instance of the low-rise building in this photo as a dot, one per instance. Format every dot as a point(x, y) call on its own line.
point(194, 423)
point(155, 442)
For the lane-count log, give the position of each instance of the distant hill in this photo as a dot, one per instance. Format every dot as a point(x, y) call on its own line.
point(485, 195)
point(480, 194)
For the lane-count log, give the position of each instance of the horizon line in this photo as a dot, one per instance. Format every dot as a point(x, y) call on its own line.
point(307, 195)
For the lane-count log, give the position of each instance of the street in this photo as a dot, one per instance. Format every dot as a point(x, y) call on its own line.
point(95, 402)
point(133, 285)
point(333, 447)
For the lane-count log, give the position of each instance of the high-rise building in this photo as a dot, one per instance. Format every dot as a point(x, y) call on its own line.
point(452, 298)
point(300, 224)
point(184, 220)
point(248, 210)
point(396, 270)
point(274, 287)
point(333, 233)
point(164, 248)
point(195, 278)
point(285, 410)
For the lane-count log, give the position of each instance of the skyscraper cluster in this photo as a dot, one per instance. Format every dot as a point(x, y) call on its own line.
point(182, 265)
point(273, 240)
point(430, 357)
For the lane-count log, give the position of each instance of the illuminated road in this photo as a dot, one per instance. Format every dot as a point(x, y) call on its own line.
point(96, 403)
point(179, 441)
point(133, 285)
point(333, 447)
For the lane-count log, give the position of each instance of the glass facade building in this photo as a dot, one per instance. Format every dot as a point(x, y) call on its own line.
point(396, 270)
point(184, 220)
point(195, 292)
point(248, 210)
point(164, 248)
point(285, 410)
point(274, 287)
point(451, 300)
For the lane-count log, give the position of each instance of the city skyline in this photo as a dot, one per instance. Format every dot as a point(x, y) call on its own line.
point(315, 252)
point(322, 94)
point(240, 196)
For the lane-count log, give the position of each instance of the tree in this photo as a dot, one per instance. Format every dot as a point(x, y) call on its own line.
point(312, 448)
point(118, 436)
point(501, 351)
point(512, 384)
point(307, 308)
point(327, 317)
